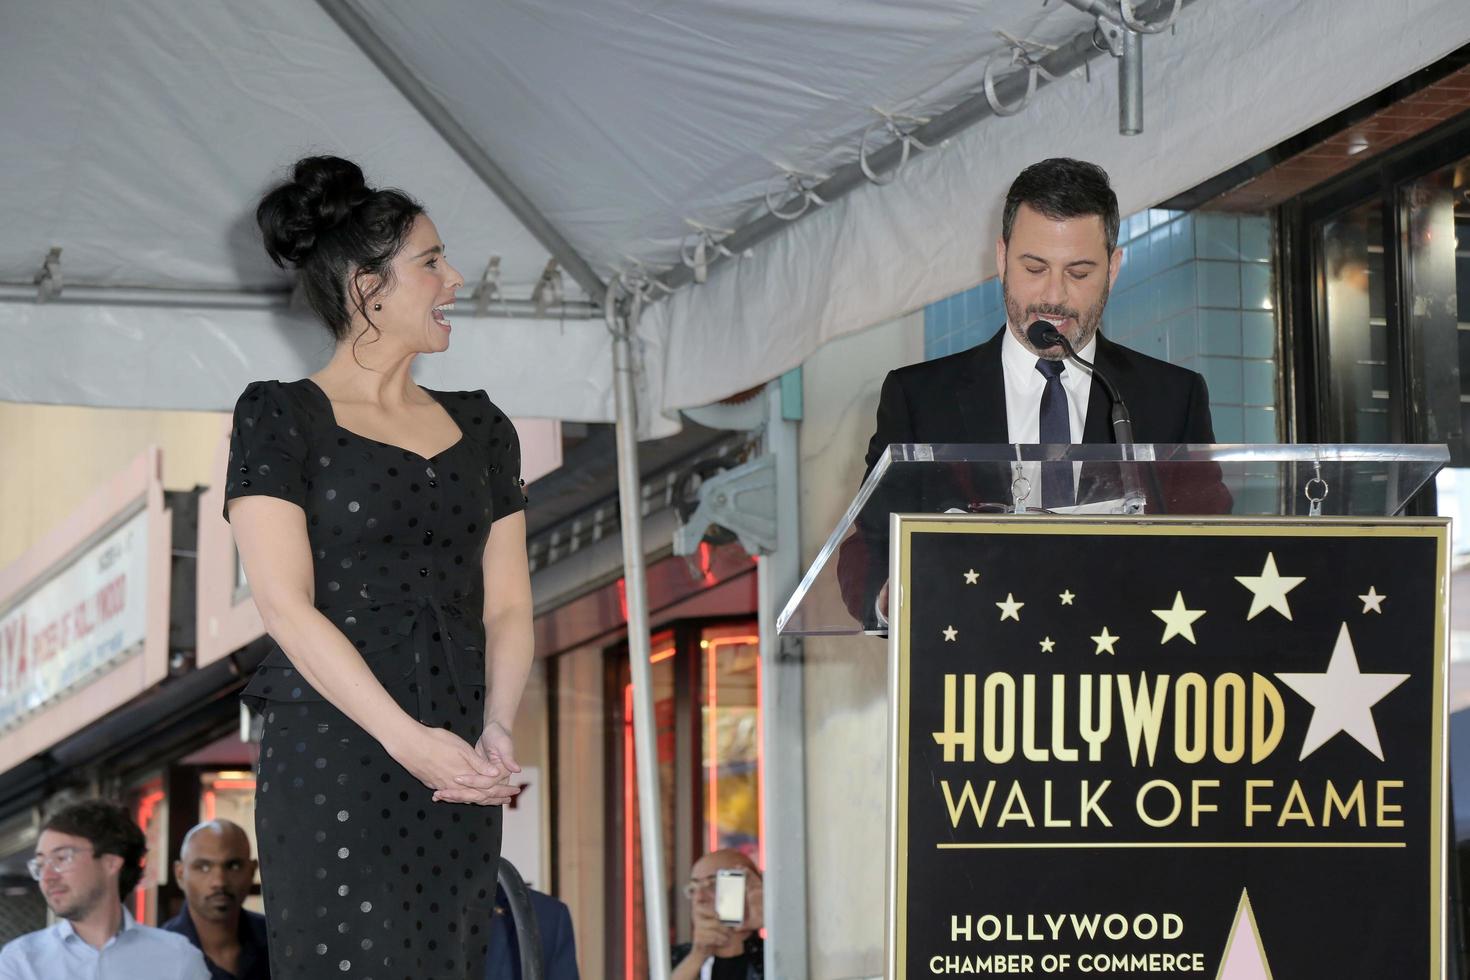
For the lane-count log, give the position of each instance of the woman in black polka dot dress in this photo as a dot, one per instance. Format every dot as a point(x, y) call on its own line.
point(382, 532)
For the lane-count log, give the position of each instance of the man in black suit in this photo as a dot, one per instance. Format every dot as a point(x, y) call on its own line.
point(1058, 257)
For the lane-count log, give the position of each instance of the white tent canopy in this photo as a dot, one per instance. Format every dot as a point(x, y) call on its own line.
point(139, 134)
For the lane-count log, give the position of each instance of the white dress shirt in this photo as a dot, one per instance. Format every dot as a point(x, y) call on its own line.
point(1024, 387)
point(135, 953)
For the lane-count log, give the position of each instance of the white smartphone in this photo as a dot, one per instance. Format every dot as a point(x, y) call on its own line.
point(730, 896)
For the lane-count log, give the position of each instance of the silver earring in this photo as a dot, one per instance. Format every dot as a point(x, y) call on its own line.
point(377, 307)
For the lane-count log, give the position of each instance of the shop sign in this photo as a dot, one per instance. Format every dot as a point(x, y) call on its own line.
point(81, 623)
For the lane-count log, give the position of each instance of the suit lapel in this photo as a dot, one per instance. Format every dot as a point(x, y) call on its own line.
point(982, 401)
point(1098, 426)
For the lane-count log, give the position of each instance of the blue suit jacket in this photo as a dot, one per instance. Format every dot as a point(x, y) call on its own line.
point(558, 946)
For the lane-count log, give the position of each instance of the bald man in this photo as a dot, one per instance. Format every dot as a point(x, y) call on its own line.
point(215, 871)
point(719, 951)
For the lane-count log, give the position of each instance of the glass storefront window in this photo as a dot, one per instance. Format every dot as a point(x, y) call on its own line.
point(706, 694)
point(1436, 231)
point(1353, 308)
point(731, 751)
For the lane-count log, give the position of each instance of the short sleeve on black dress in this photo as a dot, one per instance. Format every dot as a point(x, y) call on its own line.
point(267, 448)
point(507, 492)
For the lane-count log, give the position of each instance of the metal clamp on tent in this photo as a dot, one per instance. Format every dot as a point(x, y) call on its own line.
point(1020, 56)
point(705, 243)
point(548, 291)
point(800, 185)
point(905, 139)
point(48, 279)
point(488, 291)
point(1131, 21)
point(1120, 33)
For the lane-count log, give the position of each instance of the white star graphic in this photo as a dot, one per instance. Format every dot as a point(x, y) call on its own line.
point(1047, 644)
point(950, 633)
point(1066, 597)
point(1105, 641)
point(1178, 621)
point(971, 577)
point(1342, 698)
point(1268, 589)
point(1010, 609)
point(1244, 957)
point(1373, 602)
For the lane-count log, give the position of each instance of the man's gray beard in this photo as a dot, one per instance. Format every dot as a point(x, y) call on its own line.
point(1087, 325)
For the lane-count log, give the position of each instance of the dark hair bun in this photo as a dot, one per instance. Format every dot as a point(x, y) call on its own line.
point(321, 195)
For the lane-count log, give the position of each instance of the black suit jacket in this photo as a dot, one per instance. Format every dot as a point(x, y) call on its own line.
point(961, 399)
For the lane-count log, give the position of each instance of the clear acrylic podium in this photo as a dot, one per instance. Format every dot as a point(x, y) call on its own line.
point(839, 593)
point(851, 683)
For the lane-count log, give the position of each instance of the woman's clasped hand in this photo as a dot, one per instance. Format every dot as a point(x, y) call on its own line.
point(458, 772)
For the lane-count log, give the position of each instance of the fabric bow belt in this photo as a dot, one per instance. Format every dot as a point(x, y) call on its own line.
point(425, 618)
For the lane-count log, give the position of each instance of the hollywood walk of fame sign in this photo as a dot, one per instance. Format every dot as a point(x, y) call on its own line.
point(1188, 747)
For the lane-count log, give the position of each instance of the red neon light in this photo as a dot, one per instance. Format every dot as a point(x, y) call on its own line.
point(622, 585)
point(628, 815)
point(713, 821)
point(706, 563)
point(146, 806)
point(207, 804)
point(241, 783)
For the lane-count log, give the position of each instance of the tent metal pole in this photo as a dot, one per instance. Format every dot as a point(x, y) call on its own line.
point(1069, 57)
point(645, 746)
point(434, 112)
point(278, 300)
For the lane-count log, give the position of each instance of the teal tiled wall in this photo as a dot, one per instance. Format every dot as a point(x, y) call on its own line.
point(1195, 289)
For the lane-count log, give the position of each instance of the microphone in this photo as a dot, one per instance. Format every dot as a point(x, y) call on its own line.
point(1042, 335)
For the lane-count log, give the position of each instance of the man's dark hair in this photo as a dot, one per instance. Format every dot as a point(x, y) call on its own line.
point(111, 830)
point(1062, 188)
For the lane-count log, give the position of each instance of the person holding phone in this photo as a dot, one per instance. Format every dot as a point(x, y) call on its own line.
point(724, 891)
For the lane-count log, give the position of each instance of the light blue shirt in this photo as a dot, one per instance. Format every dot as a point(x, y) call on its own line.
point(58, 953)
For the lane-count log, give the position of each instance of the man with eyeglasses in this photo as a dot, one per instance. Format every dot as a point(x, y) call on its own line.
point(89, 857)
point(721, 951)
point(215, 871)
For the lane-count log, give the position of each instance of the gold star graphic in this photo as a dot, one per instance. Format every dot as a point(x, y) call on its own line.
point(1047, 644)
point(971, 577)
point(1268, 589)
point(1010, 609)
point(1178, 620)
point(950, 633)
point(1373, 602)
point(1105, 641)
point(1066, 597)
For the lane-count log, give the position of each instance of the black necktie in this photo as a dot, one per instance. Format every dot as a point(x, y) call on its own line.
point(1056, 428)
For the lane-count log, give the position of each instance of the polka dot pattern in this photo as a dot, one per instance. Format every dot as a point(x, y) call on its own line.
point(353, 854)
